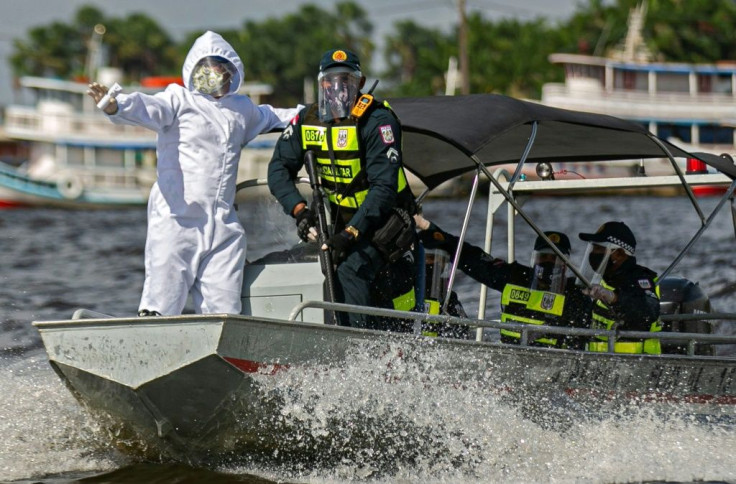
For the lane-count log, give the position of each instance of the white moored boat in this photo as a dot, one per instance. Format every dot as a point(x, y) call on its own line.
point(79, 159)
point(692, 105)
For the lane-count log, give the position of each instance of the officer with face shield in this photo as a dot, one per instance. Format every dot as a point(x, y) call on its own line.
point(540, 293)
point(356, 141)
point(338, 90)
point(195, 243)
point(624, 293)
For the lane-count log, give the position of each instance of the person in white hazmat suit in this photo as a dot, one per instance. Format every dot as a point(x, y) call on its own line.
point(195, 242)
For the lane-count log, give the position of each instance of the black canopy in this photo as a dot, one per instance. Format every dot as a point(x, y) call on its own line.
point(441, 133)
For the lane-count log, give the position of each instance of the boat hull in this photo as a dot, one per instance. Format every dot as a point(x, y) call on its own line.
point(198, 387)
point(19, 190)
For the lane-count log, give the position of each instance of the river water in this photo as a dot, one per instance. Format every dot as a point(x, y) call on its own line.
point(56, 261)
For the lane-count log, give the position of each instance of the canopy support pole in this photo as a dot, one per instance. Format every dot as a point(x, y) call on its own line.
point(459, 249)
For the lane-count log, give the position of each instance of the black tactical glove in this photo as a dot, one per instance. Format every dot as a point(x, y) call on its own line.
point(305, 220)
point(340, 244)
point(433, 237)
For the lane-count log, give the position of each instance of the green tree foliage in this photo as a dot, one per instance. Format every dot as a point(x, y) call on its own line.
point(140, 47)
point(136, 44)
point(698, 31)
point(593, 29)
point(692, 30)
point(506, 56)
point(55, 50)
point(509, 56)
point(285, 51)
point(417, 59)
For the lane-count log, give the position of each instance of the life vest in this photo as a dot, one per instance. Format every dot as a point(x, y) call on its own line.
point(523, 305)
point(395, 285)
point(603, 318)
point(344, 181)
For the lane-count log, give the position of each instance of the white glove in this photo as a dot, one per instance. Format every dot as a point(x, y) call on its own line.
point(599, 292)
point(104, 97)
point(109, 96)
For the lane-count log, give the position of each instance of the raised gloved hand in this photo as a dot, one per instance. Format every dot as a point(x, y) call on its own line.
point(306, 221)
point(599, 292)
point(340, 244)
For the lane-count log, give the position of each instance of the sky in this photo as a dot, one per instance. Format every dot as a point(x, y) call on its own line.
point(180, 17)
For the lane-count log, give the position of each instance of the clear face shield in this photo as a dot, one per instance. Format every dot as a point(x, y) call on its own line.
point(212, 76)
point(549, 271)
point(595, 261)
point(338, 90)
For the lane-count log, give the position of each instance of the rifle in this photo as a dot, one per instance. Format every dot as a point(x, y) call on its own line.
point(325, 256)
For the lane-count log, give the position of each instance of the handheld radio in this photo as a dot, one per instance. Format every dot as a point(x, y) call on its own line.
point(364, 102)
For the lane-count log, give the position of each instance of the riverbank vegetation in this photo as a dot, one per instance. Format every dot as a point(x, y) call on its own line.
point(507, 56)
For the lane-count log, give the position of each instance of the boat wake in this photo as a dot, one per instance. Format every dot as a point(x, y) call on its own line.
point(383, 417)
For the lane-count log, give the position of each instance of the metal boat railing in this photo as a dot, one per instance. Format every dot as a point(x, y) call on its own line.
point(503, 190)
point(692, 340)
point(633, 104)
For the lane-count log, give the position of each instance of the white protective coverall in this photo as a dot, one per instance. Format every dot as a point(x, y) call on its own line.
point(195, 242)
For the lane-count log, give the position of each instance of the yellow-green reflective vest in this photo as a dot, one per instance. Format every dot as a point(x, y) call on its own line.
point(603, 319)
point(523, 305)
point(344, 136)
point(431, 306)
point(405, 302)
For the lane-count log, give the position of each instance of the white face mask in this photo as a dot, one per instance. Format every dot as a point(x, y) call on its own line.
point(212, 76)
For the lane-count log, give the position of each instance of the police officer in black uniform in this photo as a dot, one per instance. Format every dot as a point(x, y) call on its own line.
point(537, 294)
point(357, 145)
point(625, 293)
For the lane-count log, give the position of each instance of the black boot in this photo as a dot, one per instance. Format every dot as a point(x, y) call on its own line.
point(145, 313)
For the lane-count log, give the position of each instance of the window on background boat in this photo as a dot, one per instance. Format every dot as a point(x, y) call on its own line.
point(630, 80)
point(145, 158)
point(110, 157)
point(714, 134)
point(673, 82)
point(722, 84)
point(74, 155)
point(705, 83)
point(671, 130)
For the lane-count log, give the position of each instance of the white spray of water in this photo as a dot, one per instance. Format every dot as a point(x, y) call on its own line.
point(43, 429)
point(383, 417)
point(425, 426)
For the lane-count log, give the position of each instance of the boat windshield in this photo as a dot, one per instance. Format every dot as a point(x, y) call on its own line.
point(270, 233)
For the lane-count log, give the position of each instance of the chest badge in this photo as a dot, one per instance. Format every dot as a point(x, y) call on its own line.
point(342, 138)
point(548, 300)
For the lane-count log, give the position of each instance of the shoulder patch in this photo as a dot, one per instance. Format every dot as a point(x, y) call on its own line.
point(286, 134)
point(393, 155)
point(387, 135)
point(644, 283)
